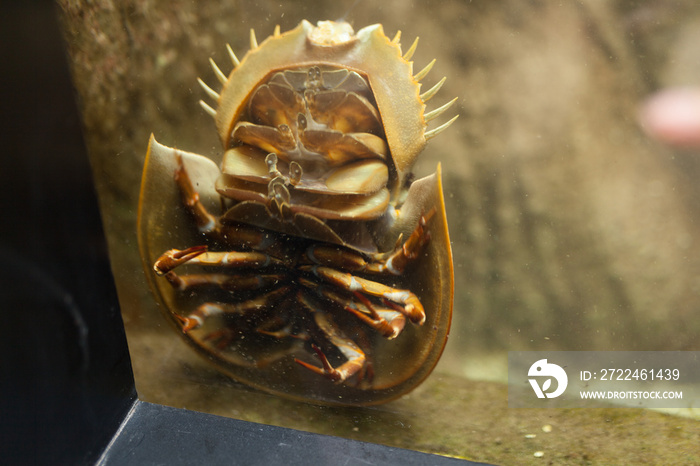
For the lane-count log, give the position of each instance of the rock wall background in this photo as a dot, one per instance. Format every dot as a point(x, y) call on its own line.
point(571, 229)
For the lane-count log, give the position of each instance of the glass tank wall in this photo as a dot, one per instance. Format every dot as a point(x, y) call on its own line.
point(572, 210)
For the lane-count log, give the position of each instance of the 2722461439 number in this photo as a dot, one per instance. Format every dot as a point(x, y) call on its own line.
point(639, 374)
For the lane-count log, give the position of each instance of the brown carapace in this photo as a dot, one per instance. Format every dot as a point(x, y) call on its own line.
point(310, 264)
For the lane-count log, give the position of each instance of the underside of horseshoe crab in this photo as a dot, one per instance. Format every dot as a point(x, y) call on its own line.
point(310, 264)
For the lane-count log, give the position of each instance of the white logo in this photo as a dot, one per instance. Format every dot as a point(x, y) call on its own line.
point(543, 369)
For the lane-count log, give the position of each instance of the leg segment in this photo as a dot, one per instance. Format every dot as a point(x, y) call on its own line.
point(234, 235)
point(355, 356)
point(196, 319)
point(199, 255)
point(240, 282)
point(206, 222)
point(388, 321)
point(398, 260)
point(394, 262)
point(412, 307)
point(174, 258)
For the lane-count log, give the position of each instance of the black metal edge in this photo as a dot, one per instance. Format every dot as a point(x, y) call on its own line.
point(155, 434)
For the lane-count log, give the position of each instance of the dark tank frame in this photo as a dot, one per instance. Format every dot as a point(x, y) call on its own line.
point(69, 394)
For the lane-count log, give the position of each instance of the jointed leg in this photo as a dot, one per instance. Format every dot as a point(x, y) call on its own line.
point(196, 319)
point(240, 282)
point(412, 307)
point(388, 321)
point(355, 356)
point(398, 260)
point(207, 223)
point(199, 255)
point(393, 262)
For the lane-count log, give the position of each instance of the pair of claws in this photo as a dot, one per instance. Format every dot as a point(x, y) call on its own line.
point(358, 365)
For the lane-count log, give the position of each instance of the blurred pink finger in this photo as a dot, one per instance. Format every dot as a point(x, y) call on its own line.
point(673, 116)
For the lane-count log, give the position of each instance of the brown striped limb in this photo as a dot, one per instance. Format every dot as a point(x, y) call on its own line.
point(394, 262)
point(197, 318)
point(402, 255)
point(174, 258)
point(388, 321)
point(341, 374)
point(336, 257)
point(238, 282)
point(280, 329)
point(355, 357)
point(221, 338)
point(200, 256)
point(232, 234)
point(412, 307)
point(206, 222)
